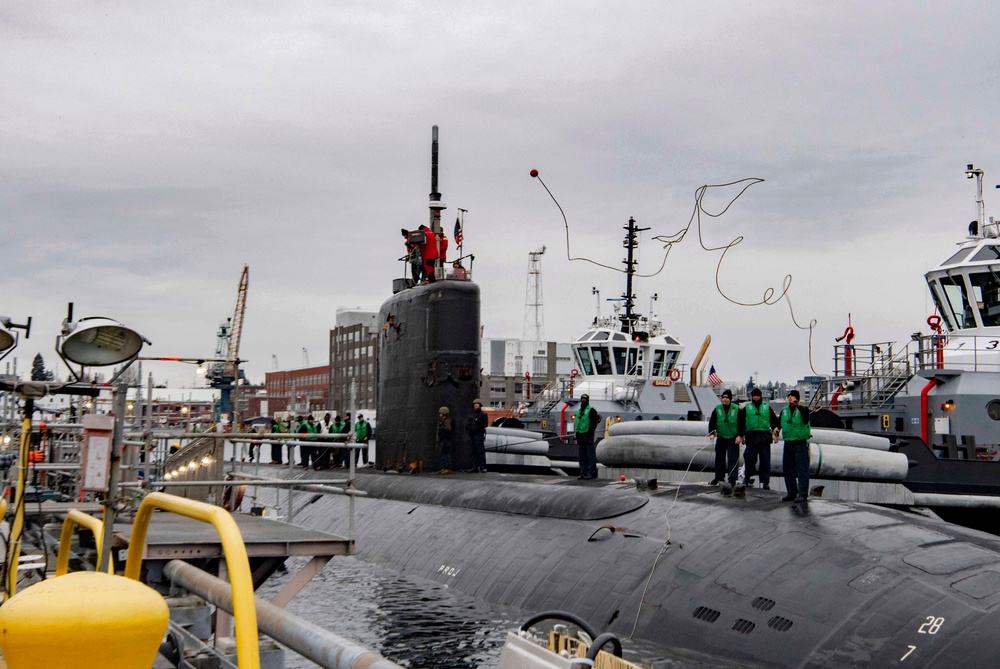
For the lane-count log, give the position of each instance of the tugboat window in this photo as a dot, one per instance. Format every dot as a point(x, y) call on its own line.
point(620, 354)
point(939, 302)
point(602, 359)
point(584, 355)
point(957, 257)
point(989, 253)
point(601, 335)
point(658, 368)
point(958, 301)
point(986, 290)
point(631, 363)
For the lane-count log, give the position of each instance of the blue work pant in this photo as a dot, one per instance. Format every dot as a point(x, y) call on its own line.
point(479, 451)
point(795, 463)
point(758, 449)
point(726, 451)
point(587, 454)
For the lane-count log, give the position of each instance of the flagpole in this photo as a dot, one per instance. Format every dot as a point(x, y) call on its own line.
point(461, 218)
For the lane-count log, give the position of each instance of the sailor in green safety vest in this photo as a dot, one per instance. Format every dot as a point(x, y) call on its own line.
point(308, 454)
point(584, 425)
point(724, 424)
point(362, 431)
point(795, 431)
point(759, 428)
point(277, 426)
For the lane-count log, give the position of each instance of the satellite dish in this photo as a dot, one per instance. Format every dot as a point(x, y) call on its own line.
point(98, 342)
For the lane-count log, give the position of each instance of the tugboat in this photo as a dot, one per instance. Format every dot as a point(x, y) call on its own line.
point(630, 367)
point(936, 397)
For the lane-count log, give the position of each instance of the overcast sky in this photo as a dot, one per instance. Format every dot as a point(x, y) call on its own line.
point(150, 150)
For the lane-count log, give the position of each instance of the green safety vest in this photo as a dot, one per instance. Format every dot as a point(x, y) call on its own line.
point(792, 426)
point(582, 422)
point(361, 430)
point(725, 425)
point(758, 419)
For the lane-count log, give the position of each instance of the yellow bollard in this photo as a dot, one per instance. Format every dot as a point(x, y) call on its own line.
point(84, 620)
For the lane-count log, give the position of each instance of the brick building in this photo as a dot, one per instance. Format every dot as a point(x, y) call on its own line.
point(297, 390)
point(353, 366)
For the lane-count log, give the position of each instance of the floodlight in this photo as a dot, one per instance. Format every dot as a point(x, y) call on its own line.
point(9, 338)
point(98, 342)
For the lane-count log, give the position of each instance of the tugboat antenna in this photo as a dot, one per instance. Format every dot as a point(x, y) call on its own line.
point(632, 231)
point(971, 172)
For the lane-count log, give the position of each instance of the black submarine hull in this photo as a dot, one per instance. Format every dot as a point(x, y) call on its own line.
point(710, 580)
point(428, 353)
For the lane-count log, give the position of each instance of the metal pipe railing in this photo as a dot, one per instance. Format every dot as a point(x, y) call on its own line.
point(237, 563)
point(323, 647)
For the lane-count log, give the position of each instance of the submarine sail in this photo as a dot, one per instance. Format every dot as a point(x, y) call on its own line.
point(428, 352)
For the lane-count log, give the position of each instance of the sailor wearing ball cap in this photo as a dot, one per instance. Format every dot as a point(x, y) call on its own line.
point(795, 430)
point(724, 424)
point(477, 432)
point(758, 427)
point(584, 425)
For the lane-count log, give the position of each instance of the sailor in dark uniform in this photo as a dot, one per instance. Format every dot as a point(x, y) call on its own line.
point(724, 424)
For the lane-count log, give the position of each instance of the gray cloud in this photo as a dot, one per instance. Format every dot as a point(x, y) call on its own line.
point(151, 151)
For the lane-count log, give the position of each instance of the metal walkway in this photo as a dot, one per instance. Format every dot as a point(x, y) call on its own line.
point(268, 543)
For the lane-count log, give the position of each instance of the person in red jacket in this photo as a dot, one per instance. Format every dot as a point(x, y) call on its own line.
point(442, 249)
point(430, 253)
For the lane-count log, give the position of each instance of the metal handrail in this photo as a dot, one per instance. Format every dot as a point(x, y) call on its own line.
point(234, 550)
point(73, 519)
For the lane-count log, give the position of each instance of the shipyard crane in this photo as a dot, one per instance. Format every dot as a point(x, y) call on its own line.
point(222, 375)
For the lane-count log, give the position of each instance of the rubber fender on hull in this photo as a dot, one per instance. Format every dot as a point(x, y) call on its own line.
point(698, 453)
point(511, 440)
point(699, 428)
point(556, 500)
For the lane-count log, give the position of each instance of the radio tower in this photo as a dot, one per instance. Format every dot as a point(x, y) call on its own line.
point(534, 321)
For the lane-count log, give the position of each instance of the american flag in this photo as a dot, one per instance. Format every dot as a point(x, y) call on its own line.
point(713, 378)
point(458, 232)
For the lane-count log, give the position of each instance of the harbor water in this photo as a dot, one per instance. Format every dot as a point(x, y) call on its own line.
point(415, 624)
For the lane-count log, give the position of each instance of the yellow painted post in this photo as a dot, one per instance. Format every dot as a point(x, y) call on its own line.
point(237, 563)
point(17, 525)
point(73, 518)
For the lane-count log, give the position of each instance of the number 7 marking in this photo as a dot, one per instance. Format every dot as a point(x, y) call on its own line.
point(912, 648)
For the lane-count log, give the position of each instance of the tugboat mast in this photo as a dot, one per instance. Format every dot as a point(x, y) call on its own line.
point(631, 243)
point(971, 172)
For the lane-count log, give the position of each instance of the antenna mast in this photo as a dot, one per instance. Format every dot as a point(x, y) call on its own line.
point(436, 205)
point(533, 316)
point(631, 243)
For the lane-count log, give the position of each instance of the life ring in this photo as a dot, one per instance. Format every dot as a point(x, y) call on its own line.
point(675, 374)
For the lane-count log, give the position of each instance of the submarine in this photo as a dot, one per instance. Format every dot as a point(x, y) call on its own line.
point(706, 580)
